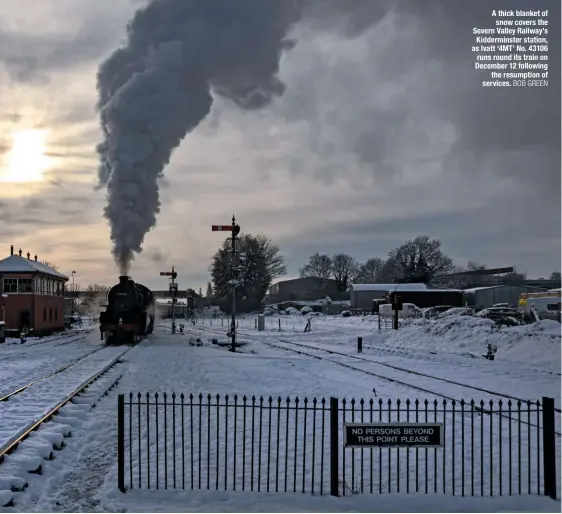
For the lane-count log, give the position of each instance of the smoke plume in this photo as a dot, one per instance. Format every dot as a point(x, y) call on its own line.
point(157, 88)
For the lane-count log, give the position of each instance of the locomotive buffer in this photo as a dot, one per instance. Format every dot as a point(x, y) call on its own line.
point(234, 229)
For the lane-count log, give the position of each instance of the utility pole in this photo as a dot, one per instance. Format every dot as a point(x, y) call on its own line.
point(234, 229)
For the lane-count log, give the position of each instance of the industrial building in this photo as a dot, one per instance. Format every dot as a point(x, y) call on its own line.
point(304, 289)
point(32, 295)
point(361, 296)
point(480, 297)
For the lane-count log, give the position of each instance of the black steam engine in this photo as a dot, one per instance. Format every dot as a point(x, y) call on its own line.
point(129, 314)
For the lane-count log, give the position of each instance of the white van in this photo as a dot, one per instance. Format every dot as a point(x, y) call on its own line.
point(409, 310)
point(547, 307)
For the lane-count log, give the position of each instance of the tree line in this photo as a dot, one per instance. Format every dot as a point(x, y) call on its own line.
point(418, 260)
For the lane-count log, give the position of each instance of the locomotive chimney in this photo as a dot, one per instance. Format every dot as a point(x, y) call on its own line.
point(123, 279)
point(11, 249)
point(28, 256)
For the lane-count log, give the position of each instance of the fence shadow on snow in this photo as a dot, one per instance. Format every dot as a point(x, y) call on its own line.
point(170, 441)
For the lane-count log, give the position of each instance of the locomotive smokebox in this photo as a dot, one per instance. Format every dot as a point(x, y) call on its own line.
point(123, 279)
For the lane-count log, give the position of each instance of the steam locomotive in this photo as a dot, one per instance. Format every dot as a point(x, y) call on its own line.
point(129, 313)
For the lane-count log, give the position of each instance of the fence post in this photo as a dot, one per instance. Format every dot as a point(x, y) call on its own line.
point(279, 324)
point(334, 447)
point(379, 321)
point(121, 442)
point(359, 345)
point(549, 447)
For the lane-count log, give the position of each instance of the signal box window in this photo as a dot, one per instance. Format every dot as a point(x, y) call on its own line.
point(10, 285)
point(25, 285)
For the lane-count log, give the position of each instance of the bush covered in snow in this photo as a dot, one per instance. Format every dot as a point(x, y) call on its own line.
point(306, 309)
point(292, 311)
point(346, 314)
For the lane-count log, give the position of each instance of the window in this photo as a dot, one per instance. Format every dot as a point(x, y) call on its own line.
point(50, 314)
point(10, 285)
point(553, 307)
point(58, 288)
point(43, 286)
point(44, 314)
point(25, 285)
point(56, 313)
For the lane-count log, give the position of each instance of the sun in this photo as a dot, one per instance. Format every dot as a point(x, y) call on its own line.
point(26, 160)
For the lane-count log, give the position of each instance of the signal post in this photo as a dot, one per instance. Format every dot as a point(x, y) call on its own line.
point(173, 288)
point(234, 229)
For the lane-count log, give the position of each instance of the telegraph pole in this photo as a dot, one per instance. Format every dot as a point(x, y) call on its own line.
point(234, 229)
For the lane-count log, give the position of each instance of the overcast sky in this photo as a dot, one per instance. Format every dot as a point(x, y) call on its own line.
point(383, 133)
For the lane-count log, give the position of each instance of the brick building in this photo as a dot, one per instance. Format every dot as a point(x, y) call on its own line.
point(32, 295)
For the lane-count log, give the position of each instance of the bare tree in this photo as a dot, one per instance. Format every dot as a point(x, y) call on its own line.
point(50, 265)
point(475, 266)
point(209, 293)
point(555, 275)
point(370, 271)
point(419, 260)
point(345, 270)
point(319, 266)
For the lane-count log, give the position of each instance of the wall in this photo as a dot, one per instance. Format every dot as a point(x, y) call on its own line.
point(49, 303)
point(15, 304)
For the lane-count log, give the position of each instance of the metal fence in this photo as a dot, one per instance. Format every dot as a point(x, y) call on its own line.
point(171, 441)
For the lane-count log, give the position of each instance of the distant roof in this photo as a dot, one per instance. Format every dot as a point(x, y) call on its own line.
point(388, 287)
point(18, 264)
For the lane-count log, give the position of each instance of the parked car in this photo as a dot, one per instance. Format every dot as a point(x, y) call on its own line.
point(433, 312)
point(502, 315)
point(457, 311)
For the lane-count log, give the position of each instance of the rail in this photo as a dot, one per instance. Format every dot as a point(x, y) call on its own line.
point(11, 445)
point(44, 377)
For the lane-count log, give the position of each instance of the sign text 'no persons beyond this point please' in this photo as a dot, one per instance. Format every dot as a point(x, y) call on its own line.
point(421, 435)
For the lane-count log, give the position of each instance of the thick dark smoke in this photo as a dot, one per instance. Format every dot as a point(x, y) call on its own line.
point(157, 88)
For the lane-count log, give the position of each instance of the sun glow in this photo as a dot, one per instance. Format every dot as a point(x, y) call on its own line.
point(26, 161)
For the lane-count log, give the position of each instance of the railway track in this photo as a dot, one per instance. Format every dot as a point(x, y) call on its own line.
point(398, 379)
point(6, 396)
point(36, 422)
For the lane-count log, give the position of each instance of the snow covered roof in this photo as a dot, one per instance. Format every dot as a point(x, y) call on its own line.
point(388, 287)
point(18, 264)
point(474, 289)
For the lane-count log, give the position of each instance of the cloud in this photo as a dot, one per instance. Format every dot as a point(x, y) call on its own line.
point(383, 133)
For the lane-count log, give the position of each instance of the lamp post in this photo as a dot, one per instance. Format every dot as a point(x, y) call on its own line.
point(73, 293)
point(4, 296)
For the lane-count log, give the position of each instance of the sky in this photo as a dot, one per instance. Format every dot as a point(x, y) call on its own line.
point(382, 133)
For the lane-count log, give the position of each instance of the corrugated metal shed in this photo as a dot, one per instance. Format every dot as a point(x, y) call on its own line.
point(488, 296)
point(387, 287)
point(361, 296)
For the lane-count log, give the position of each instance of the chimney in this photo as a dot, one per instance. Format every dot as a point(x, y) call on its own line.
point(35, 257)
point(123, 279)
point(20, 252)
point(11, 249)
point(28, 256)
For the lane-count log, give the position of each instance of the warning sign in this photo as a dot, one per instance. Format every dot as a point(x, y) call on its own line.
point(420, 435)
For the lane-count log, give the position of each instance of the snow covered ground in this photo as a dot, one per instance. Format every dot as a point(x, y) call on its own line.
point(84, 475)
point(23, 363)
